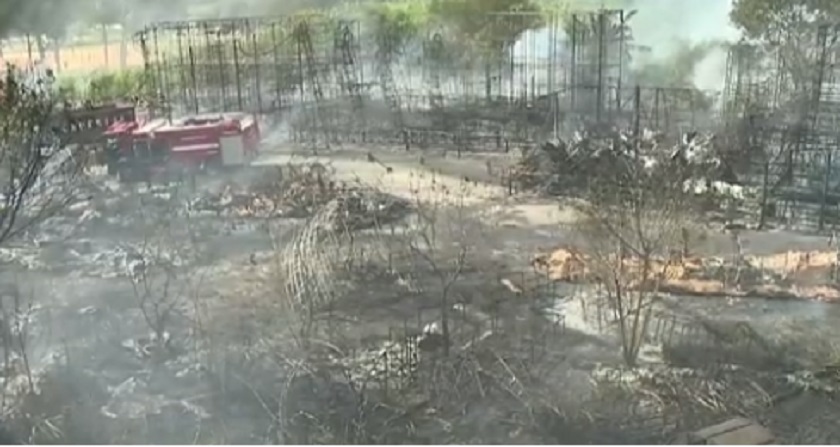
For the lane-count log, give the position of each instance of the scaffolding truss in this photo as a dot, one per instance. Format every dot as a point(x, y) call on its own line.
point(782, 110)
point(334, 81)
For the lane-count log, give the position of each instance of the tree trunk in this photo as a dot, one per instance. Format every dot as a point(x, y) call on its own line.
point(42, 48)
point(29, 47)
point(105, 44)
point(124, 47)
point(444, 319)
point(57, 55)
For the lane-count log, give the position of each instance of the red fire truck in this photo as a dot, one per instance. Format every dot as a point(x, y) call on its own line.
point(189, 144)
point(118, 141)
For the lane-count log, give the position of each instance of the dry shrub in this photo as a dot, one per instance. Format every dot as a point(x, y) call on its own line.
point(298, 190)
point(61, 407)
point(314, 266)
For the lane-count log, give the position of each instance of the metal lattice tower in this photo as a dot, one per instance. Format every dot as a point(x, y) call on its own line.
point(349, 80)
point(599, 51)
point(825, 110)
point(310, 76)
point(385, 51)
point(434, 52)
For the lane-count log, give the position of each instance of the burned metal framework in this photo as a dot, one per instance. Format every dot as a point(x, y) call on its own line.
point(258, 65)
point(598, 56)
point(333, 81)
point(782, 110)
point(317, 67)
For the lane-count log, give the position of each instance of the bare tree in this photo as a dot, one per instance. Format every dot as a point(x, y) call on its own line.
point(159, 272)
point(633, 226)
point(37, 179)
point(36, 173)
point(442, 238)
point(15, 314)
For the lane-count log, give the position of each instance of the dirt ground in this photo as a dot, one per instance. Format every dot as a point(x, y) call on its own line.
point(541, 216)
point(87, 311)
point(409, 172)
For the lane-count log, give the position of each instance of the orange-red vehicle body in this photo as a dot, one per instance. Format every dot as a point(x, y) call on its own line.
point(189, 143)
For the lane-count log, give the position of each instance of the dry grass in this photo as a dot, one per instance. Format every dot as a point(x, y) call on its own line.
point(796, 263)
point(568, 264)
point(806, 275)
point(79, 58)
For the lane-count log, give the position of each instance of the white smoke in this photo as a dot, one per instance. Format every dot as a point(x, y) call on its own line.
point(665, 26)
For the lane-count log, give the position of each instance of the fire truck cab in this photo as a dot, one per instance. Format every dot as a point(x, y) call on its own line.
point(184, 145)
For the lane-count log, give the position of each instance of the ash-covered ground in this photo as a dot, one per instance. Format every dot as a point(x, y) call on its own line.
point(173, 315)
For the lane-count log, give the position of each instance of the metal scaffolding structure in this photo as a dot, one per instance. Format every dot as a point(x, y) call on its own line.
point(333, 81)
point(258, 65)
point(598, 47)
point(782, 110)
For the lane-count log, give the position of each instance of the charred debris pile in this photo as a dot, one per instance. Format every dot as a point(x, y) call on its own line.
point(299, 191)
point(569, 166)
point(291, 191)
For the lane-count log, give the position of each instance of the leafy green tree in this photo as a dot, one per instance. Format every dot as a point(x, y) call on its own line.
point(489, 24)
point(68, 89)
point(119, 85)
point(397, 23)
point(788, 27)
point(768, 18)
